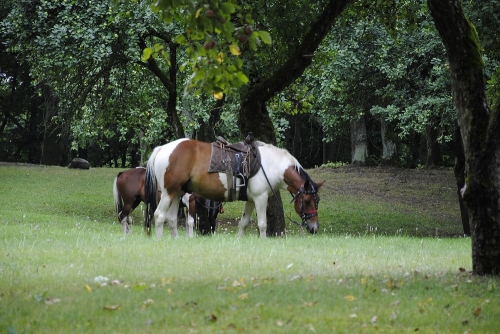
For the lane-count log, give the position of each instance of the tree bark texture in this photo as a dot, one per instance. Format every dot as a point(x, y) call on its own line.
point(359, 146)
point(253, 115)
point(479, 128)
point(434, 157)
point(459, 171)
point(389, 140)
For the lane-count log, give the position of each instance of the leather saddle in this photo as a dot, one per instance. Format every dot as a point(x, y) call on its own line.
point(240, 161)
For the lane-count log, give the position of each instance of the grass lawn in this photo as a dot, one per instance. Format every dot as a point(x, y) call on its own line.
point(383, 262)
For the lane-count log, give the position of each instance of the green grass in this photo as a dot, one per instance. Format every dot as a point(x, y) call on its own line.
point(60, 241)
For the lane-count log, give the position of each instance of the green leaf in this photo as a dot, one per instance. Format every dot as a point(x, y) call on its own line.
point(265, 36)
point(227, 8)
point(180, 39)
point(243, 78)
point(146, 54)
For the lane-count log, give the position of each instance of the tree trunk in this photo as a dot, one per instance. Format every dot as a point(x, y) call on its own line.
point(53, 138)
point(359, 146)
point(389, 138)
point(207, 129)
point(479, 130)
point(261, 126)
point(459, 171)
point(173, 116)
point(169, 81)
point(434, 157)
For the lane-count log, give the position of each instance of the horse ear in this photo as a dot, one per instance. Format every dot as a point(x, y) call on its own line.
point(319, 184)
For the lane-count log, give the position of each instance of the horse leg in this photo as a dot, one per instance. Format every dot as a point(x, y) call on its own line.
point(245, 218)
point(125, 225)
point(190, 207)
point(172, 215)
point(161, 214)
point(124, 217)
point(260, 208)
point(189, 225)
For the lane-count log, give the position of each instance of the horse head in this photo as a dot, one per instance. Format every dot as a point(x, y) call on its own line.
point(306, 202)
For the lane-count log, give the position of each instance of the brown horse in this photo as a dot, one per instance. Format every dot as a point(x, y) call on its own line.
point(128, 192)
point(183, 165)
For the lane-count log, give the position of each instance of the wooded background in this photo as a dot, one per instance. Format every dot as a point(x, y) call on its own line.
point(375, 90)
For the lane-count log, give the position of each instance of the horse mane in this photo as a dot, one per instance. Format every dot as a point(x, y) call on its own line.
point(283, 153)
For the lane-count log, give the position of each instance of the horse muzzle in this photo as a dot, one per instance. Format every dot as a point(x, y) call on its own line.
point(312, 227)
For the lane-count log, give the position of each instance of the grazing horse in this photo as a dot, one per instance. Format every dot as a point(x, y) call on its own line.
point(128, 192)
point(205, 214)
point(183, 166)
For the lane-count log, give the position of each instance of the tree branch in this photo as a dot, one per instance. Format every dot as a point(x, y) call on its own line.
point(302, 58)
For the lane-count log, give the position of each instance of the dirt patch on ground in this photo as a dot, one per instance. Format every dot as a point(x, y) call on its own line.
point(431, 193)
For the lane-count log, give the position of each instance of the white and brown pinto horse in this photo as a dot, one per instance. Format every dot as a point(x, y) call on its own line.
point(182, 166)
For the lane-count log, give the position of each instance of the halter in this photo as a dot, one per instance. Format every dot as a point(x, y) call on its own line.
point(304, 214)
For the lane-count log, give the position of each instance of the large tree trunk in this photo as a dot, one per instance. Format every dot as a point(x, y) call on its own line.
point(479, 130)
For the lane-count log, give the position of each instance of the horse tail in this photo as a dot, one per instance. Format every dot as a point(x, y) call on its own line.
point(117, 197)
point(151, 191)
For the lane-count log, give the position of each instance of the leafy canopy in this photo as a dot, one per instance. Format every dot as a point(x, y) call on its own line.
point(213, 34)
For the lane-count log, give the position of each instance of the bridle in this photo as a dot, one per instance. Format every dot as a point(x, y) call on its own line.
point(306, 214)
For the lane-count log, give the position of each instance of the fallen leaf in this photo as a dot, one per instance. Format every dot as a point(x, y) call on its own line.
point(295, 277)
point(311, 328)
point(289, 266)
point(243, 296)
point(165, 281)
point(350, 298)
point(211, 318)
point(89, 289)
point(112, 307)
point(461, 269)
point(476, 312)
point(52, 301)
point(373, 319)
